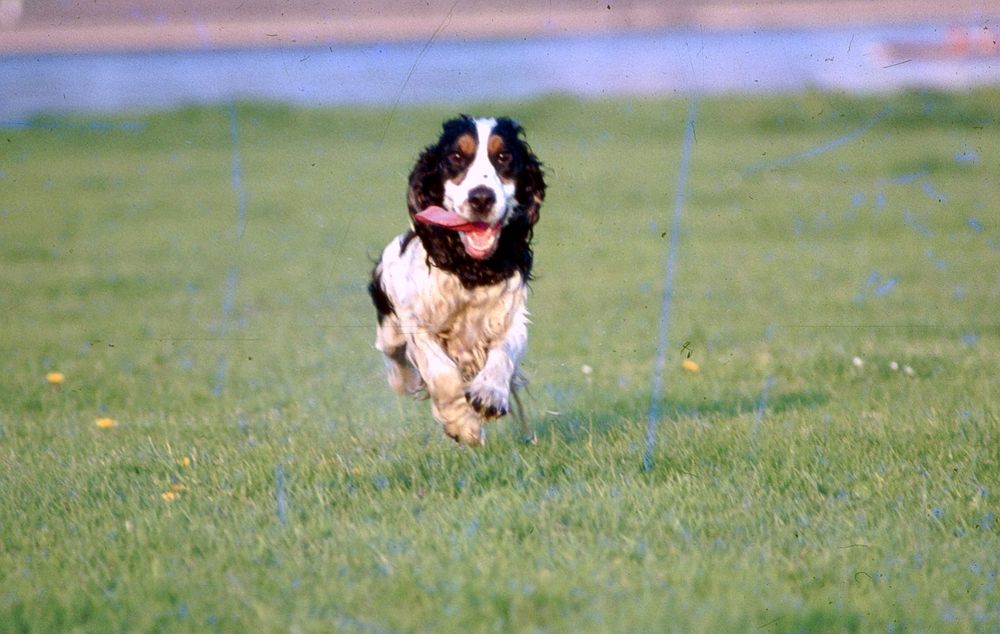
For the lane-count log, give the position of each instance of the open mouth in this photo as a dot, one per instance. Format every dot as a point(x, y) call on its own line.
point(479, 239)
point(481, 243)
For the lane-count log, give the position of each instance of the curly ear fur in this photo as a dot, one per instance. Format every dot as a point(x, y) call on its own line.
point(531, 186)
point(530, 191)
point(426, 184)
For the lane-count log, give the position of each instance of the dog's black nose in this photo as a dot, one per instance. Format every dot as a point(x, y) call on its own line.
point(482, 199)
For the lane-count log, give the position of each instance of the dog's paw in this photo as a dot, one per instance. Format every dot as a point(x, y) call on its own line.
point(488, 400)
point(404, 379)
point(472, 435)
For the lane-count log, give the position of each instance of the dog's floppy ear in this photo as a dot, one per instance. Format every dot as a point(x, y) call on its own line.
point(531, 185)
point(530, 190)
point(426, 179)
point(426, 184)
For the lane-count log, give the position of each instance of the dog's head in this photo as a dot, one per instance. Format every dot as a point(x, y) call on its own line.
point(476, 192)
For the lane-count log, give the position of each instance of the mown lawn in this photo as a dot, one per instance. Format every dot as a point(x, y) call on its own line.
point(198, 277)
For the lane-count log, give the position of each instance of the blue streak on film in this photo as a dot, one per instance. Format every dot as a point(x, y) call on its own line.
point(931, 192)
point(911, 220)
point(967, 156)
point(280, 497)
point(668, 285)
point(819, 149)
point(230, 296)
point(128, 126)
point(910, 178)
point(220, 376)
point(227, 308)
point(237, 173)
point(886, 287)
point(761, 406)
point(241, 224)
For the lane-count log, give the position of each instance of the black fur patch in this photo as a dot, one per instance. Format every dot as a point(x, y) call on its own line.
point(405, 242)
point(383, 305)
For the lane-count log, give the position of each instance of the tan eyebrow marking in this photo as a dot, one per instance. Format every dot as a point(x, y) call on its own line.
point(495, 144)
point(467, 145)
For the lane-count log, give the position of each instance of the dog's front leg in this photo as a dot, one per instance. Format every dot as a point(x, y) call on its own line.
point(403, 377)
point(489, 391)
point(445, 388)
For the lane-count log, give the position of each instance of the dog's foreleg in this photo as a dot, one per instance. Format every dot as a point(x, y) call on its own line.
point(445, 388)
point(489, 391)
point(403, 377)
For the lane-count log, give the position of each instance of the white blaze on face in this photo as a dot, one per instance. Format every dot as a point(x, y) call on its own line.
point(480, 173)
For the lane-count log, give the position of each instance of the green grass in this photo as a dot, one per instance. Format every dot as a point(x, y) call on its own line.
point(858, 500)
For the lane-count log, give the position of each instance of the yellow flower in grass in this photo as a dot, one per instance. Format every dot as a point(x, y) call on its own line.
point(184, 462)
point(690, 366)
point(174, 492)
point(55, 378)
point(106, 423)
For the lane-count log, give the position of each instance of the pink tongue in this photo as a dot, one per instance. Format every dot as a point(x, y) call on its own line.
point(441, 217)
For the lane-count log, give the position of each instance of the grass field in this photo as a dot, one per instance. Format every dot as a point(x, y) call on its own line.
point(198, 278)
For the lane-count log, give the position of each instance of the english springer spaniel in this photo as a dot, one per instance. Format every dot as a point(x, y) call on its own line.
point(452, 319)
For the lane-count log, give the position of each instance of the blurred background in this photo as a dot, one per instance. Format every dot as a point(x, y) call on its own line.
point(114, 55)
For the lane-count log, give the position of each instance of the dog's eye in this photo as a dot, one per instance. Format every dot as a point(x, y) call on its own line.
point(503, 157)
point(456, 158)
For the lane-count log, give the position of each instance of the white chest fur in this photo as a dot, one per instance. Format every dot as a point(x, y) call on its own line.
point(466, 322)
